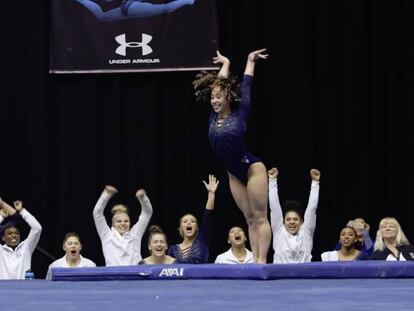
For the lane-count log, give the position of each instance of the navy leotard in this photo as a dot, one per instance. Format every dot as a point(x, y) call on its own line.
point(198, 251)
point(228, 139)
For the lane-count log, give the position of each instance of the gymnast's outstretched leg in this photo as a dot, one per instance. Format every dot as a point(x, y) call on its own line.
point(133, 9)
point(109, 16)
point(145, 9)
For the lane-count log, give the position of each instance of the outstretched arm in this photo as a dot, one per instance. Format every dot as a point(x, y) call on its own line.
point(225, 65)
point(35, 227)
point(310, 213)
point(138, 229)
point(251, 61)
point(205, 229)
point(368, 246)
point(244, 107)
point(276, 214)
point(98, 212)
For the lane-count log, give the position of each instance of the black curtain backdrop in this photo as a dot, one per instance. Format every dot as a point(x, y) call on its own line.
point(336, 94)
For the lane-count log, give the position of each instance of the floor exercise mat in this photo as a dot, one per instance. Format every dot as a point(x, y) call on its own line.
point(210, 295)
point(313, 270)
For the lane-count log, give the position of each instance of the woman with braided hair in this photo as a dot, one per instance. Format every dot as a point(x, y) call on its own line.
point(247, 174)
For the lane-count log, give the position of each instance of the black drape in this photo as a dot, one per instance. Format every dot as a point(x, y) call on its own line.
point(336, 94)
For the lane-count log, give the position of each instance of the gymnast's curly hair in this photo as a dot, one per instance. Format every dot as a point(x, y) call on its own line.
point(205, 81)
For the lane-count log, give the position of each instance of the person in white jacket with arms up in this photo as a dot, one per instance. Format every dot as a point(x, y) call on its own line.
point(16, 256)
point(292, 234)
point(121, 244)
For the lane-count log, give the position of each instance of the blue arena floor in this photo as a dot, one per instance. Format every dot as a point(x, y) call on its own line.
point(211, 295)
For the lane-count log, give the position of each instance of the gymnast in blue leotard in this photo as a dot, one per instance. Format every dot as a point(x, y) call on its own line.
point(133, 9)
point(247, 175)
point(194, 247)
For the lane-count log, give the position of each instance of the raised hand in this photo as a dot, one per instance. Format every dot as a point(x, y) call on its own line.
point(220, 59)
point(251, 61)
point(6, 209)
point(212, 184)
point(273, 173)
point(315, 174)
point(140, 194)
point(111, 190)
point(18, 205)
point(225, 65)
point(258, 54)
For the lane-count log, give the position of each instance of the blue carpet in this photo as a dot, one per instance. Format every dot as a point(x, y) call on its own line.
point(211, 295)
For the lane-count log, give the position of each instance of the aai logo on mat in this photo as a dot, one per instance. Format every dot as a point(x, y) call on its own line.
point(123, 44)
point(171, 272)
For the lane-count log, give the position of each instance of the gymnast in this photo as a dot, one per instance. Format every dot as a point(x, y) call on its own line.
point(391, 243)
point(16, 256)
point(133, 9)
point(157, 246)
point(238, 253)
point(348, 239)
point(227, 127)
point(72, 247)
point(293, 234)
point(194, 247)
point(363, 242)
point(121, 245)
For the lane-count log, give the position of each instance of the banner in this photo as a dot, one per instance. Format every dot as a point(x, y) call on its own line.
point(132, 35)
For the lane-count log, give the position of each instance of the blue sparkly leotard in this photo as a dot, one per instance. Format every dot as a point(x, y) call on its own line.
point(228, 138)
point(198, 251)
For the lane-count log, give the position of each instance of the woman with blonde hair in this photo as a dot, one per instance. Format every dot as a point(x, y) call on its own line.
point(121, 244)
point(194, 248)
point(391, 243)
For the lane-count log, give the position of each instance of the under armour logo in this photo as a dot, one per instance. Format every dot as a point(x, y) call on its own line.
point(121, 50)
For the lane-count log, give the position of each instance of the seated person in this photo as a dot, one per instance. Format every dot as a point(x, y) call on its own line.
point(347, 252)
point(194, 247)
point(16, 256)
point(364, 242)
point(72, 259)
point(292, 234)
point(238, 253)
point(121, 244)
point(157, 246)
point(391, 243)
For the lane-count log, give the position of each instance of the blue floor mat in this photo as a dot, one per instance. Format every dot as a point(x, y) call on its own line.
point(314, 270)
